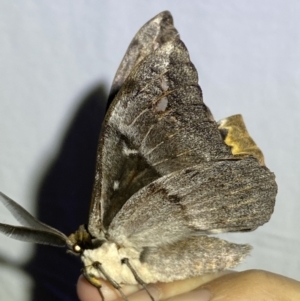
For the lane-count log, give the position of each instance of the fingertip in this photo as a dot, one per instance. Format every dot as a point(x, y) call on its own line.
point(86, 291)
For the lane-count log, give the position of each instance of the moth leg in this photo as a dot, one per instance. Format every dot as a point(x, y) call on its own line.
point(136, 276)
point(98, 265)
point(235, 135)
point(93, 281)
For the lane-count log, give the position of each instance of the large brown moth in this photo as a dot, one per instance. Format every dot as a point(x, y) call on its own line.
point(167, 176)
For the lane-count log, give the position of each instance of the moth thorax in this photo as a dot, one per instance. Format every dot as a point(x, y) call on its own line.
point(111, 257)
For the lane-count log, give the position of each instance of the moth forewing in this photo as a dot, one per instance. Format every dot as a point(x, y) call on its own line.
point(166, 178)
point(151, 36)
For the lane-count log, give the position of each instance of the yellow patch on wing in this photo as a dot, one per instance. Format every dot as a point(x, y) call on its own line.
point(238, 138)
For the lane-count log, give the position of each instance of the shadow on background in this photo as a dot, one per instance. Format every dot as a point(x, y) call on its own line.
point(63, 200)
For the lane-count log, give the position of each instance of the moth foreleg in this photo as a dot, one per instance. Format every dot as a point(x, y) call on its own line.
point(137, 277)
point(97, 265)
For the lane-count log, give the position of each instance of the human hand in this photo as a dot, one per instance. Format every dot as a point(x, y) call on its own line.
point(234, 286)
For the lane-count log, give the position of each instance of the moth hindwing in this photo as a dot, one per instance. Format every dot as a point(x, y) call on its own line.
point(167, 175)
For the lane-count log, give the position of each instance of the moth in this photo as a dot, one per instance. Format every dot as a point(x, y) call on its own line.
point(167, 176)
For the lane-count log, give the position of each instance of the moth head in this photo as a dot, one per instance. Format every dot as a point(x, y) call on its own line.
point(37, 232)
point(82, 240)
point(79, 240)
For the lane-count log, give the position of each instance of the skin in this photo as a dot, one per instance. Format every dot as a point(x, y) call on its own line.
point(234, 286)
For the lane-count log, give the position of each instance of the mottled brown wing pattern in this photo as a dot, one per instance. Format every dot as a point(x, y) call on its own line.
point(192, 256)
point(157, 124)
point(165, 177)
point(151, 36)
point(210, 197)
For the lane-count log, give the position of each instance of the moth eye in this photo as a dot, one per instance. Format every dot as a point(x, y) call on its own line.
point(77, 248)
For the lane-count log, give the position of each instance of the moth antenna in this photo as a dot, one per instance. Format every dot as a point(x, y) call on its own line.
point(22, 215)
point(34, 235)
point(116, 285)
point(137, 277)
point(34, 230)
